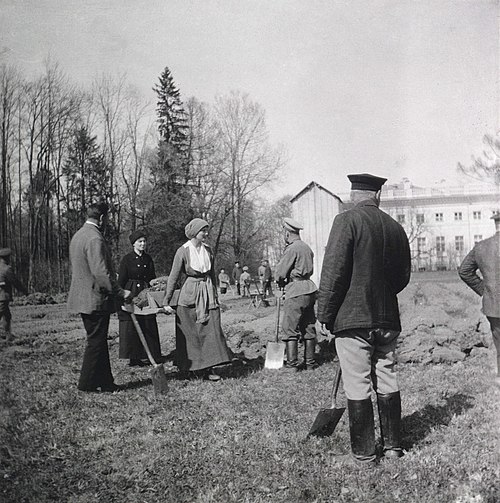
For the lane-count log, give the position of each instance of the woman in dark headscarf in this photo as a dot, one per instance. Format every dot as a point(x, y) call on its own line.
point(135, 273)
point(200, 343)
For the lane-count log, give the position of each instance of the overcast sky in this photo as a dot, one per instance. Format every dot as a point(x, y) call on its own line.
point(396, 88)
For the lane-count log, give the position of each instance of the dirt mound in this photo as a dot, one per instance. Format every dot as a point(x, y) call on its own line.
point(442, 323)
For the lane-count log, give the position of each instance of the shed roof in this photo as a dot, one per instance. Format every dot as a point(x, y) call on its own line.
point(310, 186)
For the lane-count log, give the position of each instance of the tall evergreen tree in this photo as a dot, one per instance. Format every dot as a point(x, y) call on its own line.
point(171, 198)
point(172, 121)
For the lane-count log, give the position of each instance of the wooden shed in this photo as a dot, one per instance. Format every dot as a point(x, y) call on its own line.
point(315, 208)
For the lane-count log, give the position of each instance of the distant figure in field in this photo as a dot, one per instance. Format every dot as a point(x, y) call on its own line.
point(136, 272)
point(366, 264)
point(245, 282)
point(265, 277)
point(223, 281)
point(237, 270)
point(7, 280)
point(92, 293)
point(485, 257)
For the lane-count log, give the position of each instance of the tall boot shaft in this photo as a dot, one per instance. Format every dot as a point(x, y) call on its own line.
point(309, 351)
point(291, 354)
point(362, 429)
point(389, 411)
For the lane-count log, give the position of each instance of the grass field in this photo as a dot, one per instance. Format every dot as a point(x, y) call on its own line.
point(242, 439)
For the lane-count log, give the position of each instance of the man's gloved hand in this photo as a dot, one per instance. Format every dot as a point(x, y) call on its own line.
point(322, 329)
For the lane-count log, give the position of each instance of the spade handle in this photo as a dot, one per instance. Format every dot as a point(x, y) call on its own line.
point(335, 389)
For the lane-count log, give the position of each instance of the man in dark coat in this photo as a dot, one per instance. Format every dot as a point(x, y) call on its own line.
point(237, 271)
point(293, 273)
point(92, 293)
point(485, 256)
point(366, 264)
point(7, 280)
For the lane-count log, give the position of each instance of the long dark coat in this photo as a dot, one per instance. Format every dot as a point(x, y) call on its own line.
point(134, 274)
point(366, 264)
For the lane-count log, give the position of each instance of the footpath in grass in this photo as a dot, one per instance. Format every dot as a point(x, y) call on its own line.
point(242, 439)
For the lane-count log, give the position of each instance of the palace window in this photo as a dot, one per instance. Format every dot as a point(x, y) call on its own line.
point(477, 238)
point(476, 215)
point(401, 219)
point(440, 244)
point(439, 217)
point(459, 243)
point(458, 215)
point(420, 218)
point(421, 244)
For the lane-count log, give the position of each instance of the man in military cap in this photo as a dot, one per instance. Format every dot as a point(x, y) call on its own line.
point(7, 280)
point(485, 257)
point(293, 273)
point(366, 264)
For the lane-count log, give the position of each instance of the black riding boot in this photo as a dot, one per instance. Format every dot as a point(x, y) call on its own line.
point(362, 429)
point(389, 411)
point(291, 355)
point(309, 350)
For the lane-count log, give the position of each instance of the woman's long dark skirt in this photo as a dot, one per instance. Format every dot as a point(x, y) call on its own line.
point(199, 345)
point(130, 344)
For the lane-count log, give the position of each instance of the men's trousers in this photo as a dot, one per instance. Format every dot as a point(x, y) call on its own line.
point(366, 358)
point(96, 368)
point(299, 318)
point(5, 318)
point(495, 332)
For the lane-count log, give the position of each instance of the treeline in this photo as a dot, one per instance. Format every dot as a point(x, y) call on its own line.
point(63, 147)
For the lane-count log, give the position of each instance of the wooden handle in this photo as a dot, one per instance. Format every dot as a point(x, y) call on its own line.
point(278, 303)
point(336, 383)
point(142, 338)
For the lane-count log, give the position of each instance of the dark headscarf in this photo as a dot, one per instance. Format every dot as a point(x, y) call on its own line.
point(139, 233)
point(195, 226)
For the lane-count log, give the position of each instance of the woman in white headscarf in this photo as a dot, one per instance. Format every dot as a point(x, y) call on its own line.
point(200, 343)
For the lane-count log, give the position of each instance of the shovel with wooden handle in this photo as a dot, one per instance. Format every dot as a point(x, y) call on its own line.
point(157, 373)
point(327, 419)
point(275, 350)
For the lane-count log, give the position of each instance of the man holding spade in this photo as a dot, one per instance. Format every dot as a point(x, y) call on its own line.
point(293, 273)
point(366, 264)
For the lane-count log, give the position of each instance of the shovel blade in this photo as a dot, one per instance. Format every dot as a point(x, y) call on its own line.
point(160, 383)
point(274, 355)
point(326, 422)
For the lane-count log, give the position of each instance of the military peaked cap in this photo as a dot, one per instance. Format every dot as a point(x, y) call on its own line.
point(292, 225)
point(496, 216)
point(365, 181)
point(5, 252)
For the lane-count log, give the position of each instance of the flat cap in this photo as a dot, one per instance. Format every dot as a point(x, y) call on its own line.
point(365, 181)
point(292, 225)
point(5, 252)
point(245, 268)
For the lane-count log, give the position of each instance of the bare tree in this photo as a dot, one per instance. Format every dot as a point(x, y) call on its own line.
point(139, 151)
point(486, 167)
point(10, 87)
point(248, 161)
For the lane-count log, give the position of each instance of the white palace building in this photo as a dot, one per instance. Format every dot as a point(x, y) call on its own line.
point(442, 222)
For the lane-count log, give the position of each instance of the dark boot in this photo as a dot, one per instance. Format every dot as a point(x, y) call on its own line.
point(309, 350)
point(389, 411)
point(291, 355)
point(362, 429)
